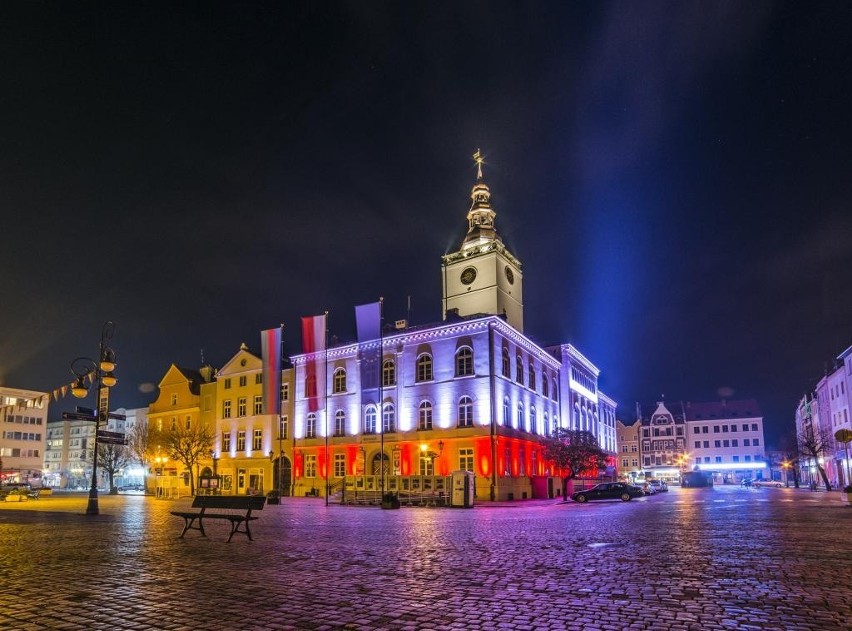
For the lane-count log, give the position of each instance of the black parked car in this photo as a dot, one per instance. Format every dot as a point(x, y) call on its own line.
point(608, 491)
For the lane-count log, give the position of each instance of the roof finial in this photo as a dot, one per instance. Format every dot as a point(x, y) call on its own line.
point(478, 159)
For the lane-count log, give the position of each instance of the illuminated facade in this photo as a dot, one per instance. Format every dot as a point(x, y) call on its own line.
point(833, 414)
point(23, 434)
point(472, 393)
point(250, 446)
point(629, 460)
point(177, 408)
point(724, 438)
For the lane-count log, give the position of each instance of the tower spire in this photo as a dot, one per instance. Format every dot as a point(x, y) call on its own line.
point(480, 217)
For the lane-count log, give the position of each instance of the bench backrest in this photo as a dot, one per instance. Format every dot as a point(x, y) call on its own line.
point(235, 502)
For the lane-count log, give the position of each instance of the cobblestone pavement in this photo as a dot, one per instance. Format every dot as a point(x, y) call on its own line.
point(724, 558)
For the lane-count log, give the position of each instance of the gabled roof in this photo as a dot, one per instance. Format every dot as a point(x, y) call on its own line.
point(177, 374)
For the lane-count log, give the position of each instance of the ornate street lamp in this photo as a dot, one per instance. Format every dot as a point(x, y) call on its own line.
point(103, 379)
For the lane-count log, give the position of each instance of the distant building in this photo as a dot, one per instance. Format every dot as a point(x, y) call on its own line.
point(726, 438)
point(629, 460)
point(23, 434)
point(831, 401)
point(722, 438)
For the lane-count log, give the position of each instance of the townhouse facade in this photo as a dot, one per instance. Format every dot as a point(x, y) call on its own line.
point(23, 434)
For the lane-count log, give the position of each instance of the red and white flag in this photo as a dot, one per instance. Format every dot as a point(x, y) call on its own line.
point(313, 345)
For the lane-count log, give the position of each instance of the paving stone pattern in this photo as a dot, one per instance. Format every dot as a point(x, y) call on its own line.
point(724, 558)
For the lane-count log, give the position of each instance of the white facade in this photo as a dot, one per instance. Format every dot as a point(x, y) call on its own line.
point(726, 438)
point(23, 434)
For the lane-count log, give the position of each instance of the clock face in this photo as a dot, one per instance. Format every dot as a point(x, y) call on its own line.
point(468, 275)
point(510, 275)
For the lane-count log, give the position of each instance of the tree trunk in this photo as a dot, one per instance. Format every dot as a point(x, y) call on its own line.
point(824, 477)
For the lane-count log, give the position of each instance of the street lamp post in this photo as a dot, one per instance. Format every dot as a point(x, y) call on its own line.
point(104, 379)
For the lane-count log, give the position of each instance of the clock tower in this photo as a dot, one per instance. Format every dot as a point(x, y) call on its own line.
point(483, 277)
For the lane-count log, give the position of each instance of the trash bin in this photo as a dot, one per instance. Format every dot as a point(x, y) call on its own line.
point(463, 489)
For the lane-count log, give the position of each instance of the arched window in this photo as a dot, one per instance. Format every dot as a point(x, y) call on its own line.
point(464, 362)
point(519, 369)
point(388, 418)
point(544, 424)
point(520, 419)
point(531, 381)
point(507, 418)
point(424, 416)
point(424, 367)
point(339, 381)
point(544, 382)
point(370, 420)
point(555, 390)
point(533, 420)
point(507, 368)
point(388, 373)
point(311, 426)
point(465, 412)
point(340, 423)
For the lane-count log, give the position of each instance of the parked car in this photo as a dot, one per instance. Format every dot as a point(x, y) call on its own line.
point(659, 485)
point(608, 491)
point(646, 488)
point(773, 483)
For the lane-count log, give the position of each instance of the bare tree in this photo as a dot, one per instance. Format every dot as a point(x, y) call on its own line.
point(814, 444)
point(112, 459)
point(189, 445)
point(141, 443)
point(574, 452)
point(790, 448)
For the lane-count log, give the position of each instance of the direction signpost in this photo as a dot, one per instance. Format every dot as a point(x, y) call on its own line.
point(111, 438)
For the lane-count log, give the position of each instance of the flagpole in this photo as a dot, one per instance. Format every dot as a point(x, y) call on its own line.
point(327, 478)
point(381, 393)
point(278, 394)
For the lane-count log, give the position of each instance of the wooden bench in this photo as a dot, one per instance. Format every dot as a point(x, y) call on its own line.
point(240, 505)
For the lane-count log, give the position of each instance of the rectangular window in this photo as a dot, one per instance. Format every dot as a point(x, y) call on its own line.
point(226, 408)
point(735, 443)
point(725, 428)
point(310, 466)
point(754, 427)
point(226, 441)
point(339, 465)
point(228, 383)
point(241, 406)
point(243, 381)
point(285, 391)
point(746, 442)
point(726, 443)
point(717, 443)
point(736, 458)
point(258, 378)
point(733, 428)
point(241, 440)
point(704, 429)
point(706, 444)
point(624, 462)
point(258, 404)
point(258, 440)
point(755, 442)
point(698, 444)
point(718, 459)
point(283, 428)
point(466, 459)
point(748, 458)
point(187, 422)
point(715, 429)
point(706, 459)
point(426, 466)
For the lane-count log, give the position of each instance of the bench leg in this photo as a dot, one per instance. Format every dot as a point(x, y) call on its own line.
point(188, 521)
point(235, 527)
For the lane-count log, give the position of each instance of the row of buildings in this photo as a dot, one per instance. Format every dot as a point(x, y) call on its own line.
point(820, 414)
point(722, 438)
point(472, 392)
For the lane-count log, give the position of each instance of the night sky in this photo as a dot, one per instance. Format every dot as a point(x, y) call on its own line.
point(675, 177)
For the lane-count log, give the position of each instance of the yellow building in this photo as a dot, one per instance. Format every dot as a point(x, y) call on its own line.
point(178, 407)
point(249, 445)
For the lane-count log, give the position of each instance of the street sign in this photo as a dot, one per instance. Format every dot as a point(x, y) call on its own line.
point(117, 416)
point(102, 433)
point(76, 416)
point(82, 410)
point(111, 441)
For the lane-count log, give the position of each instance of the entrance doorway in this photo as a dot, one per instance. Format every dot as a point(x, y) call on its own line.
point(282, 475)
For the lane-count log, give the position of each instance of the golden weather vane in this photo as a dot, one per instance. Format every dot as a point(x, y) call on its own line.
point(479, 160)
